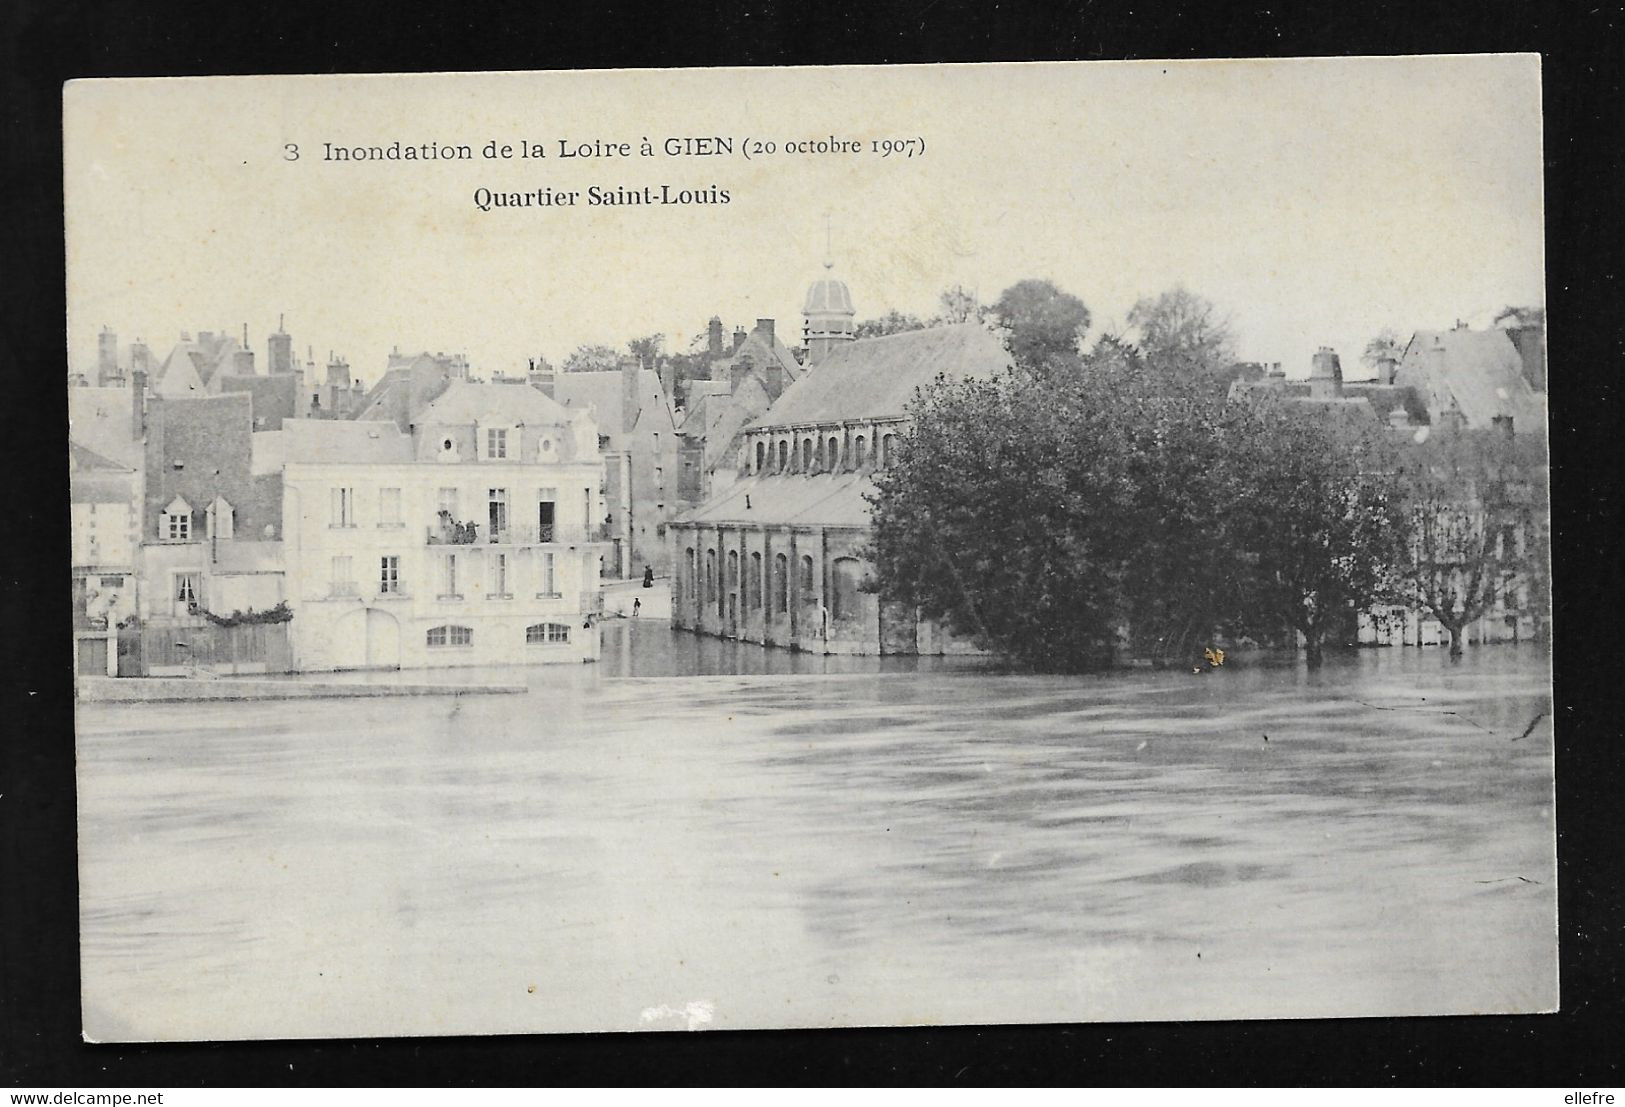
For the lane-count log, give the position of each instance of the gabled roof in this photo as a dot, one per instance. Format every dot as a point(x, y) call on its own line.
point(600, 392)
point(829, 500)
point(1479, 373)
point(323, 441)
point(875, 378)
point(180, 374)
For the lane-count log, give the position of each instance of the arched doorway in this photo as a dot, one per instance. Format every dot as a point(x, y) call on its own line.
point(367, 639)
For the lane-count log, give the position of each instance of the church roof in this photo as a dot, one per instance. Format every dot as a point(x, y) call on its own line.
point(828, 295)
point(876, 378)
point(827, 500)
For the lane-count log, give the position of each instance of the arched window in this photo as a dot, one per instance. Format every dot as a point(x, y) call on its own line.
point(845, 574)
point(888, 449)
point(809, 581)
point(859, 451)
point(761, 455)
point(547, 633)
point(690, 569)
point(806, 455)
point(710, 575)
point(832, 456)
point(450, 636)
point(753, 582)
point(733, 569)
point(781, 583)
point(784, 454)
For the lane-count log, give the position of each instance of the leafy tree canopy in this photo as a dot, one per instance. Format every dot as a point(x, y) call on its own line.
point(1044, 325)
point(1183, 332)
point(587, 359)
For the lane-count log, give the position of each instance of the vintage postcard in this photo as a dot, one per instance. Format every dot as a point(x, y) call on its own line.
point(804, 547)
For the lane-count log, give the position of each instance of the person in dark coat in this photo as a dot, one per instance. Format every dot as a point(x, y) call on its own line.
point(648, 577)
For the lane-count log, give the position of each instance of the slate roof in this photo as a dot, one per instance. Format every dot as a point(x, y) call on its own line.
point(463, 402)
point(102, 419)
point(830, 500)
point(1478, 372)
point(875, 378)
point(600, 391)
point(318, 441)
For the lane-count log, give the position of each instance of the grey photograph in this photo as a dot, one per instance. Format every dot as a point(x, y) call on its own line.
point(810, 547)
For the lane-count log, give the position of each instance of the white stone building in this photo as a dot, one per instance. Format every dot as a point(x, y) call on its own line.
point(472, 538)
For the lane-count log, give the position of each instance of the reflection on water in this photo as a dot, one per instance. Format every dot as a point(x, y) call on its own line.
point(859, 846)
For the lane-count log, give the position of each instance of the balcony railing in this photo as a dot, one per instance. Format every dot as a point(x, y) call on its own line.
point(473, 534)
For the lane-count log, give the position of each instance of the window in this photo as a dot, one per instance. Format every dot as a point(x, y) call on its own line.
point(657, 441)
point(546, 510)
point(497, 501)
point(175, 524)
point(781, 583)
point(112, 582)
point(450, 636)
point(888, 449)
point(845, 576)
point(806, 455)
point(550, 633)
point(188, 587)
point(689, 576)
point(753, 582)
point(448, 501)
point(784, 455)
point(496, 443)
point(733, 569)
point(761, 455)
point(809, 581)
point(389, 507)
point(499, 577)
point(586, 510)
point(448, 578)
point(660, 477)
point(832, 455)
point(343, 507)
point(549, 587)
point(342, 580)
point(389, 575)
point(710, 575)
point(859, 451)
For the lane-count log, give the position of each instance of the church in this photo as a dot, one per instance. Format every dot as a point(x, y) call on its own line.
point(777, 556)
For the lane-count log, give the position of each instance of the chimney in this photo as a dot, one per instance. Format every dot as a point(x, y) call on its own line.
point(106, 357)
point(739, 339)
point(765, 326)
point(713, 336)
point(138, 405)
point(629, 393)
point(1502, 423)
point(1325, 375)
point(736, 374)
point(140, 356)
point(279, 350)
point(542, 379)
point(242, 362)
point(775, 380)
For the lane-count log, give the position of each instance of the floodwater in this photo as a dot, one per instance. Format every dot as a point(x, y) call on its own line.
point(801, 841)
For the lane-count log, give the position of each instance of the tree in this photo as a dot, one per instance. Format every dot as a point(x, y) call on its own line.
point(647, 349)
point(1386, 346)
point(1476, 504)
point(1183, 332)
point(959, 305)
point(1511, 316)
point(1044, 325)
point(1319, 512)
point(893, 322)
point(590, 359)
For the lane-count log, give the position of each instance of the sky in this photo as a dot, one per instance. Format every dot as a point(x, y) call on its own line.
point(1316, 202)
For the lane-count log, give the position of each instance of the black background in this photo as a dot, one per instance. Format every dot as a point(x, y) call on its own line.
point(48, 43)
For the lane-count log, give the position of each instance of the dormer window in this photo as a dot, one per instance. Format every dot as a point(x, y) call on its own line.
point(222, 518)
point(496, 443)
point(175, 524)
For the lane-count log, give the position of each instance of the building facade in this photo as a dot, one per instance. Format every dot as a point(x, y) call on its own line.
point(778, 556)
point(473, 538)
